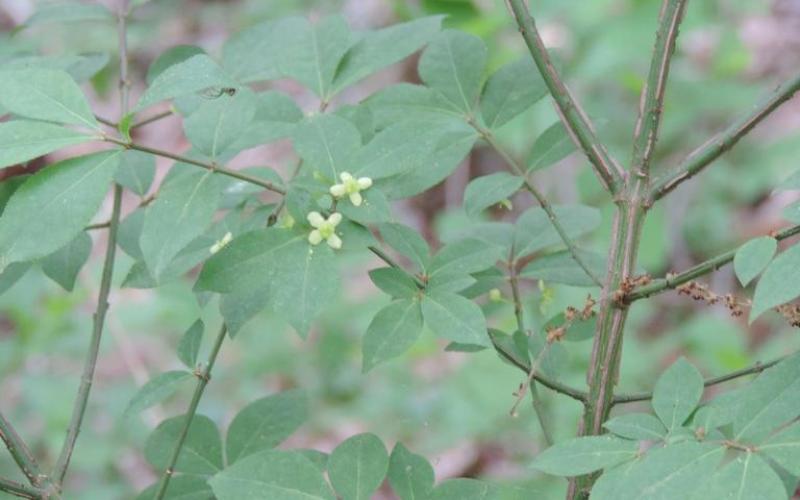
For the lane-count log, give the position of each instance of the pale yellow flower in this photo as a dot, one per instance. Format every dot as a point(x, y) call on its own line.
point(352, 187)
point(219, 245)
point(325, 229)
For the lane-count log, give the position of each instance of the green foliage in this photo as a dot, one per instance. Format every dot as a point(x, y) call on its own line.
point(264, 242)
point(358, 466)
point(53, 206)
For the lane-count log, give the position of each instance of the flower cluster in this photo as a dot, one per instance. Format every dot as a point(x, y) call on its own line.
point(325, 229)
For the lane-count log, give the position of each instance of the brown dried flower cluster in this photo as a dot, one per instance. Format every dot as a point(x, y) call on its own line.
point(701, 292)
point(556, 333)
point(628, 285)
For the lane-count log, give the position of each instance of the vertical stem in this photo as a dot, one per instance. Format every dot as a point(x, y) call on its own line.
point(19, 451)
point(202, 380)
point(87, 378)
point(605, 361)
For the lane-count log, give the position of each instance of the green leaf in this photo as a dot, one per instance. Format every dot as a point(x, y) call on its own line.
point(311, 54)
point(284, 475)
point(511, 90)
point(185, 206)
point(265, 423)
point(328, 143)
point(583, 455)
point(407, 102)
point(791, 183)
point(410, 475)
point(81, 67)
point(637, 426)
point(218, 123)
point(455, 141)
point(381, 48)
point(63, 265)
point(392, 332)
point(197, 73)
point(201, 452)
point(250, 55)
point(11, 274)
point(358, 466)
point(54, 205)
point(560, 267)
point(779, 284)
point(768, 402)
point(535, 232)
point(753, 257)
point(394, 281)
point(464, 257)
point(276, 116)
point(157, 389)
point(136, 171)
point(189, 345)
point(483, 192)
point(242, 305)
point(68, 12)
point(399, 148)
point(553, 145)
point(23, 140)
point(170, 57)
point(747, 476)
point(453, 64)
point(455, 318)
point(407, 242)
point(666, 473)
point(677, 393)
point(463, 488)
point(784, 448)
point(299, 280)
point(181, 488)
point(47, 95)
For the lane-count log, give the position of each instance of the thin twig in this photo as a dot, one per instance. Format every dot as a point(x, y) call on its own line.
point(536, 401)
point(97, 225)
point(203, 376)
point(652, 96)
point(756, 368)
point(151, 119)
point(81, 401)
point(389, 260)
point(540, 198)
point(572, 115)
point(105, 121)
point(566, 390)
point(19, 489)
point(673, 281)
point(19, 451)
point(199, 163)
point(715, 147)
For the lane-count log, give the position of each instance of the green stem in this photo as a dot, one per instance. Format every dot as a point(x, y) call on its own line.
point(198, 163)
point(572, 115)
point(715, 147)
point(663, 284)
point(523, 365)
point(79, 409)
point(540, 198)
point(19, 451)
point(202, 381)
point(151, 119)
point(20, 490)
point(756, 368)
point(389, 260)
point(652, 97)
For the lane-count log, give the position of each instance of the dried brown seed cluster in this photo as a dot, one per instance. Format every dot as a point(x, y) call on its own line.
point(791, 313)
point(628, 285)
point(702, 293)
point(556, 333)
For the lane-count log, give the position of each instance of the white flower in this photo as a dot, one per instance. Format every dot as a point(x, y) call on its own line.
point(325, 229)
point(219, 245)
point(352, 187)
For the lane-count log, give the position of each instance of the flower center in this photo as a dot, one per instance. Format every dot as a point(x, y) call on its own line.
point(351, 186)
point(326, 229)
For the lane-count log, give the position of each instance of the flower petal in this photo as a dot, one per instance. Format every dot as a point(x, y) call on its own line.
point(345, 176)
point(335, 242)
point(338, 190)
point(315, 237)
point(356, 199)
point(315, 219)
point(364, 182)
point(335, 219)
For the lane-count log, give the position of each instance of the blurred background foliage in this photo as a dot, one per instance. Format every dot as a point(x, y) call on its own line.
point(451, 407)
